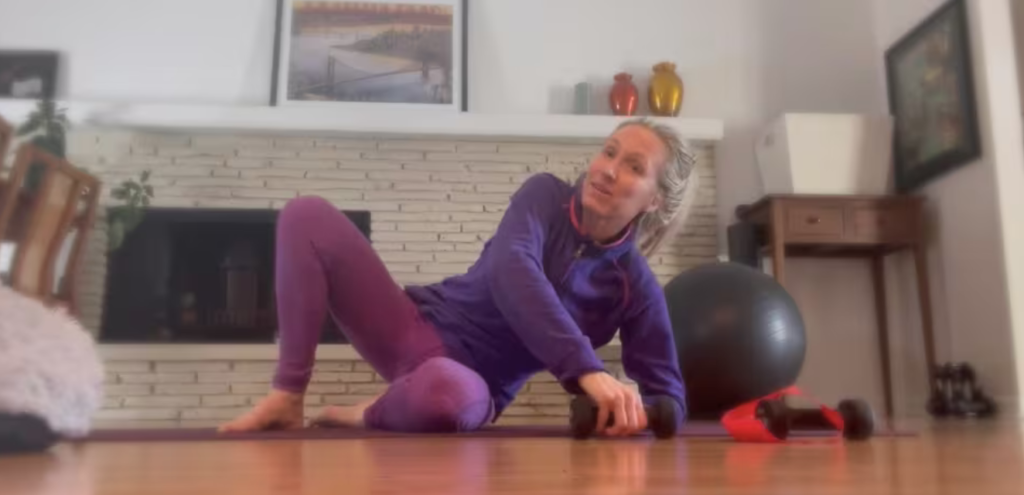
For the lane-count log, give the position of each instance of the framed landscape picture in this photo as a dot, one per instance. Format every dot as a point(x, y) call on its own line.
point(371, 54)
point(931, 96)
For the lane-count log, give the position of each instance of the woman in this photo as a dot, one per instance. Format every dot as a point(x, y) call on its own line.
point(563, 272)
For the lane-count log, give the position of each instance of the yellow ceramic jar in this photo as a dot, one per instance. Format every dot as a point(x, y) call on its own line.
point(665, 93)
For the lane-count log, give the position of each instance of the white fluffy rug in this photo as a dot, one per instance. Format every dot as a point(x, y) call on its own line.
point(49, 366)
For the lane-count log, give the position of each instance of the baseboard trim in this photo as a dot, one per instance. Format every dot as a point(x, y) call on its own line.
point(1008, 407)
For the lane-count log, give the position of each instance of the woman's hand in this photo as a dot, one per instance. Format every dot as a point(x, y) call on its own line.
point(615, 398)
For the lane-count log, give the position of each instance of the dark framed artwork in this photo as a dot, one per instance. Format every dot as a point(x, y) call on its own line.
point(931, 96)
point(28, 74)
point(381, 54)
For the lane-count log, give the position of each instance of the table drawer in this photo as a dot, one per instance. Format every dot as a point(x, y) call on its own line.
point(814, 221)
point(868, 224)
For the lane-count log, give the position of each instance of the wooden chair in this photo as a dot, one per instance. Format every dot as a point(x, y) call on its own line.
point(6, 136)
point(62, 205)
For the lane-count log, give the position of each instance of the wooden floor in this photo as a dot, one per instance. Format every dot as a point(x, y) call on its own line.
point(964, 458)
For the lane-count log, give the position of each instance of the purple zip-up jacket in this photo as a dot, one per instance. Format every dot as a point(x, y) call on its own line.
point(543, 296)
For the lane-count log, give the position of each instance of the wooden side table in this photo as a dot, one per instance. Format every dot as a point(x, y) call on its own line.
point(849, 227)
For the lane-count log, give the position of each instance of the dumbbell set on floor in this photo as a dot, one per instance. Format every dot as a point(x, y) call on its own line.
point(956, 393)
point(661, 417)
point(778, 417)
point(781, 419)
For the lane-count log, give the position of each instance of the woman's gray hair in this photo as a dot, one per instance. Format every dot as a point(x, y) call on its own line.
point(677, 185)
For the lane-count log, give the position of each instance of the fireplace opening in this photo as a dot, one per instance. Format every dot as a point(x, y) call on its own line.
point(199, 276)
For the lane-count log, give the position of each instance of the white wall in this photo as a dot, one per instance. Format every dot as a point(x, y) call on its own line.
point(121, 50)
point(1003, 116)
point(1011, 182)
point(969, 258)
point(1018, 24)
point(522, 52)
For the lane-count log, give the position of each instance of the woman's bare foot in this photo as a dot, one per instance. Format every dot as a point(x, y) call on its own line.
point(344, 416)
point(278, 410)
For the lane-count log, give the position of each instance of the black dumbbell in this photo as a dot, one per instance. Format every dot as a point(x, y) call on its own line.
point(940, 404)
point(661, 417)
point(968, 398)
point(780, 418)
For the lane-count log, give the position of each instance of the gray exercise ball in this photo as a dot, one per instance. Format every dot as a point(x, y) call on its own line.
point(738, 335)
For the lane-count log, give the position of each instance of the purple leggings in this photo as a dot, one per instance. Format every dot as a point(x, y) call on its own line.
point(324, 263)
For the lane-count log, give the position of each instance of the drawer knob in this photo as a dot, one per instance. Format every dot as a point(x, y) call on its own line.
point(813, 220)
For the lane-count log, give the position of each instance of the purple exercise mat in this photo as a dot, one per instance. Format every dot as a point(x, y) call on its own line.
point(695, 429)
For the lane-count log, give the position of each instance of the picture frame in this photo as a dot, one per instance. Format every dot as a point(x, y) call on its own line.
point(371, 55)
point(28, 74)
point(930, 80)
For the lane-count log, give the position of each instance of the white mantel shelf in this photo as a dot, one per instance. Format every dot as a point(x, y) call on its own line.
point(293, 120)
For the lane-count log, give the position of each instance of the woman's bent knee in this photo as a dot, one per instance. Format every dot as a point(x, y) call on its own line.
point(461, 397)
point(304, 210)
point(312, 217)
point(450, 396)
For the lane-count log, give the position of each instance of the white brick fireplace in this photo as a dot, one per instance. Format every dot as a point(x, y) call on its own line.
point(435, 193)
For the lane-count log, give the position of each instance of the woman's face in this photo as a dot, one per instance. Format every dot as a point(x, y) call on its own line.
point(622, 181)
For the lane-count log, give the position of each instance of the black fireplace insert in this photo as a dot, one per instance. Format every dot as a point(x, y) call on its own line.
point(199, 276)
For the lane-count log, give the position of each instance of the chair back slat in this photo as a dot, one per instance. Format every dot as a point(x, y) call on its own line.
point(63, 204)
point(6, 136)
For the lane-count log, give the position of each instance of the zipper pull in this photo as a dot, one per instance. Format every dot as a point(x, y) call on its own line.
point(579, 252)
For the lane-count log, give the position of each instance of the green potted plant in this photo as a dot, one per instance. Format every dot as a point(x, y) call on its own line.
point(122, 219)
point(46, 128)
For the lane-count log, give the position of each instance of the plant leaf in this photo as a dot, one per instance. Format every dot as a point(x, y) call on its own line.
point(132, 221)
point(34, 122)
point(115, 234)
point(55, 129)
point(53, 146)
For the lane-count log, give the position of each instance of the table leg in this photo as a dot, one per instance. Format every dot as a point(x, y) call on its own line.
point(882, 316)
point(778, 228)
point(925, 300)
